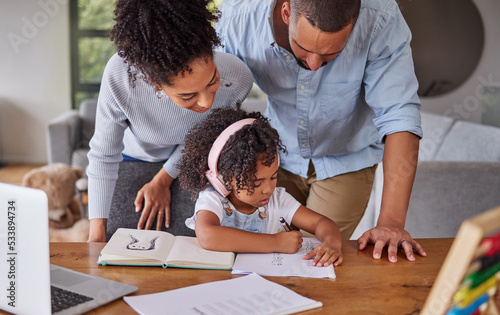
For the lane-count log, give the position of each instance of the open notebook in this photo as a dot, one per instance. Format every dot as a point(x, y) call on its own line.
point(134, 247)
point(27, 279)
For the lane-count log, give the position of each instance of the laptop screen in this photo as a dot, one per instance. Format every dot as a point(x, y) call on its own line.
point(24, 250)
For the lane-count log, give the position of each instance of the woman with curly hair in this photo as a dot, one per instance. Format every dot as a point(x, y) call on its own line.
point(231, 160)
point(164, 79)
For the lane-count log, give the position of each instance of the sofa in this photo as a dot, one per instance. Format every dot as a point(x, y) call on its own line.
point(458, 176)
point(69, 134)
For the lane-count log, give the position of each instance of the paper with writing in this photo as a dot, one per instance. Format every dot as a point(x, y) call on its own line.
point(286, 265)
point(250, 294)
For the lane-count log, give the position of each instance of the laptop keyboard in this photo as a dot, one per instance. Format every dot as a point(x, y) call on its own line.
point(63, 299)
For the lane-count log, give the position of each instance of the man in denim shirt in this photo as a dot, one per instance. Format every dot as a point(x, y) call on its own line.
point(342, 93)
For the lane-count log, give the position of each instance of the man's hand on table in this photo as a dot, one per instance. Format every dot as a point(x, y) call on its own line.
point(392, 237)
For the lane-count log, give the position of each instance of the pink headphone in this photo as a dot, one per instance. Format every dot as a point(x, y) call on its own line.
point(213, 157)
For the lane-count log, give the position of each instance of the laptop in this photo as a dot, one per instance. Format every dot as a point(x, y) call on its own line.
point(27, 279)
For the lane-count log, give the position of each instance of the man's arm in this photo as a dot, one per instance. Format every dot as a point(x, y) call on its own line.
point(400, 164)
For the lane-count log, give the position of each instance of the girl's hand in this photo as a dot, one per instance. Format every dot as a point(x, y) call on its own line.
point(324, 255)
point(288, 242)
point(329, 251)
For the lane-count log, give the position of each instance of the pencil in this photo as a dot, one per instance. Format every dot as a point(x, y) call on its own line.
point(285, 224)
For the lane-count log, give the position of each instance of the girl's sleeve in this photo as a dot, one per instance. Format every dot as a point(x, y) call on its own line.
point(207, 200)
point(287, 204)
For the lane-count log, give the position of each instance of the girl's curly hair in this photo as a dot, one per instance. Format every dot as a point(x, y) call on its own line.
point(239, 156)
point(161, 38)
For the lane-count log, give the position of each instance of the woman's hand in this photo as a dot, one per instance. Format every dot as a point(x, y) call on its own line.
point(324, 255)
point(97, 230)
point(155, 196)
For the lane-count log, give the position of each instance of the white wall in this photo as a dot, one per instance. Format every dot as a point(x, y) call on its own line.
point(465, 101)
point(34, 75)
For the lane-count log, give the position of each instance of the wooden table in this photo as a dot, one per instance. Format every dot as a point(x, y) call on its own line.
point(363, 285)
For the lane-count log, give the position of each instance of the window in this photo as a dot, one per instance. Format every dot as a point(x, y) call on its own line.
point(91, 48)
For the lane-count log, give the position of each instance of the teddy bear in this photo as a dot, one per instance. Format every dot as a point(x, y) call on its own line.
point(65, 215)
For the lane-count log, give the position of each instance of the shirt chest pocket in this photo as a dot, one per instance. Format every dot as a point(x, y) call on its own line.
point(338, 100)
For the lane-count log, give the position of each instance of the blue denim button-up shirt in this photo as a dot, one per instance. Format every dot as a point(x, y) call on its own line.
point(339, 115)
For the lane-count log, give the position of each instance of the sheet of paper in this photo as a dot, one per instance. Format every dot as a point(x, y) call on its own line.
point(286, 265)
point(250, 294)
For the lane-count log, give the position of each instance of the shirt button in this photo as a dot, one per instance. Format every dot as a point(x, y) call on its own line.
point(288, 57)
point(302, 122)
point(303, 145)
point(140, 76)
point(302, 87)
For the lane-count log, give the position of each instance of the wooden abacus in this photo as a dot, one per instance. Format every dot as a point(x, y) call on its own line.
point(459, 281)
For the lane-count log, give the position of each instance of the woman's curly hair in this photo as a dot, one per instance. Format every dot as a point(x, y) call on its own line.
point(239, 156)
point(161, 38)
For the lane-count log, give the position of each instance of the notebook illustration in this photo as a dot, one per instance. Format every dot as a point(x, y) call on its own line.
point(27, 279)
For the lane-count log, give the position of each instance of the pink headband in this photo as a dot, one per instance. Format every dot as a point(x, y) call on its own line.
point(213, 157)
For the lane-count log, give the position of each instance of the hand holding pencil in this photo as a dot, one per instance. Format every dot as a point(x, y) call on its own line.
point(291, 240)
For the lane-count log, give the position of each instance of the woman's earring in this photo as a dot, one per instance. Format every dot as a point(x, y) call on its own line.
point(159, 93)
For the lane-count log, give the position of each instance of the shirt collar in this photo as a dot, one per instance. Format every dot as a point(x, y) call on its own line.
point(270, 32)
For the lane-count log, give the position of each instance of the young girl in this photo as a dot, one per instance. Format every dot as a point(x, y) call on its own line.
point(237, 152)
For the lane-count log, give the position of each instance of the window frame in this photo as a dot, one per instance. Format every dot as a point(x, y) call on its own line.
point(75, 35)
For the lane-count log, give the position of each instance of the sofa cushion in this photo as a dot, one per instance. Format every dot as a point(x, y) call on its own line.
point(467, 141)
point(446, 193)
point(87, 114)
point(435, 127)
